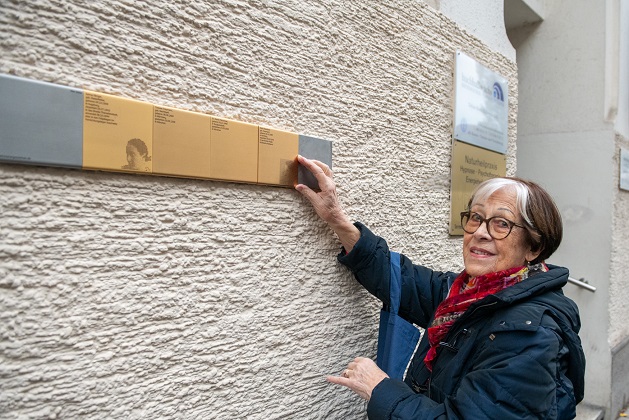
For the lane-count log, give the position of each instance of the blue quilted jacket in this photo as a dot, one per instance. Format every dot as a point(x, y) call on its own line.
point(512, 355)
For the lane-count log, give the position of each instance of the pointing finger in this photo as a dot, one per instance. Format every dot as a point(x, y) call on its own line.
point(339, 380)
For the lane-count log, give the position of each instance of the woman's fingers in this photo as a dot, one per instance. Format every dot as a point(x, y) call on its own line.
point(325, 201)
point(324, 167)
point(307, 192)
point(326, 204)
point(351, 384)
point(339, 380)
point(312, 165)
point(320, 170)
point(361, 376)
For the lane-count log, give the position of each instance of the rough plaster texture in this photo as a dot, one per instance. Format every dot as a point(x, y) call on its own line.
point(619, 292)
point(483, 18)
point(126, 296)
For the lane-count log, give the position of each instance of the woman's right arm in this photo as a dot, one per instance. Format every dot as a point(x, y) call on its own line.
point(326, 204)
point(370, 262)
point(422, 288)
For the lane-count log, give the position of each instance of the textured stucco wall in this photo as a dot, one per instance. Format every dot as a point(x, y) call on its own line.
point(145, 297)
point(618, 290)
point(483, 18)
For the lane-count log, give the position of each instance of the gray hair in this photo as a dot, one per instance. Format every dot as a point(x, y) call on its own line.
point(487, 188)
point(536, 207)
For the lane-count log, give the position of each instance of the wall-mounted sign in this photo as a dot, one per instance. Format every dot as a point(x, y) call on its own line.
point(471, 165)
point(481, 105)
point(624, 169)
point(53, 125)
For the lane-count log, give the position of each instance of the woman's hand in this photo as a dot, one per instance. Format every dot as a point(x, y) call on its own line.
point(326, 203)
point(361, 376)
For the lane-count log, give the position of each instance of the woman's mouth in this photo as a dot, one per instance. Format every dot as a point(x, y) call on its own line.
point(480, 252)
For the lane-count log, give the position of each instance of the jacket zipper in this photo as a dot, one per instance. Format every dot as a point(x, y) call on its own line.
point(481, 306)
point(452, 347)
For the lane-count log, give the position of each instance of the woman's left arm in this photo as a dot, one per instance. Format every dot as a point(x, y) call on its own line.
point(514, 377)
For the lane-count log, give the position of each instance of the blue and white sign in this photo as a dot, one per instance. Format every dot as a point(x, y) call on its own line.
point(624, 169)
point(481, 105)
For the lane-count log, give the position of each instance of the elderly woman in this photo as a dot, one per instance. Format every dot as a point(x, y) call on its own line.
point(501, 338)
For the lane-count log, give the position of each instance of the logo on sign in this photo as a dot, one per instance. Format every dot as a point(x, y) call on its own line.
point(498, 92)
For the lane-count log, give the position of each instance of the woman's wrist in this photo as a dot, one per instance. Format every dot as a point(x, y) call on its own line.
point(347, 233)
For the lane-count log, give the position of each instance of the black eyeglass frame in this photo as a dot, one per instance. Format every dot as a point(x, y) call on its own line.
point(468, 214)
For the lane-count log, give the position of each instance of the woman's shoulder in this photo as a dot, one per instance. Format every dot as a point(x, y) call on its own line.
point(544, 309)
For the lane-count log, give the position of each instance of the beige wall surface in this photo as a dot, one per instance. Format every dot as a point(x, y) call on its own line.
point(618, 290)
point(127, 296)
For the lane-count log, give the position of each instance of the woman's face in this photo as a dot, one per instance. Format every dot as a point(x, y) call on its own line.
point(134, 158)
point(483, 254)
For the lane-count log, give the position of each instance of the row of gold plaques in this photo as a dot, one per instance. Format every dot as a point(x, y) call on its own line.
point(120, 134)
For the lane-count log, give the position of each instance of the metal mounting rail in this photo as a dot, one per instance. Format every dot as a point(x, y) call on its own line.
point(582, 283)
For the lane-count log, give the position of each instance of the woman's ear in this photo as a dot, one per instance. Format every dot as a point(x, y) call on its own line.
point(532, 255)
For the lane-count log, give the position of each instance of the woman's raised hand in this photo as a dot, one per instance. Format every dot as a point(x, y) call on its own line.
point(326, 203)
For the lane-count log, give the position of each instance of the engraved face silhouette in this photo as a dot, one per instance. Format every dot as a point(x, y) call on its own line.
point(137, 155)
point(134, 158)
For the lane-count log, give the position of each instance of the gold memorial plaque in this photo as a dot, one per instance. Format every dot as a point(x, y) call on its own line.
point(117, 133)
point(181, 143)
point(234, 151)
point(277, 157)
point(471, 165)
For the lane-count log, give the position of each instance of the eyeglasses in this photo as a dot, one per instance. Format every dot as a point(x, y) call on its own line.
point(497, 227)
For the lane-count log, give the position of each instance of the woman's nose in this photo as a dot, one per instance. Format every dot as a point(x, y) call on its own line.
point(483, 231)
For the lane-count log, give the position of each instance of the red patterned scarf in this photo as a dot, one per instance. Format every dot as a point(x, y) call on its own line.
point(464, 292)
